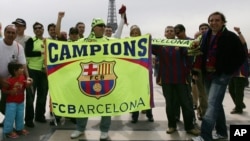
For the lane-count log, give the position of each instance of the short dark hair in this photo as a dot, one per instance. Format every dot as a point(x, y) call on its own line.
point(14, 66)
point(223, 18)
point(73, 30)
point(36, 23)
point(78, 24)
point(51, 25)
point(203, 24)
point(180, 27)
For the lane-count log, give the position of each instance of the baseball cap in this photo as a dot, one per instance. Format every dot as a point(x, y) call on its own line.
point(19, 21)
point(97, 21)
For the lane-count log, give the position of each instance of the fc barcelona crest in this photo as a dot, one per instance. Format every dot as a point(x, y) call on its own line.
point(97, 79)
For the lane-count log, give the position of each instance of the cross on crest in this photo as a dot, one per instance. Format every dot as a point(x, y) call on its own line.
point(97, 79)
point(90, 69)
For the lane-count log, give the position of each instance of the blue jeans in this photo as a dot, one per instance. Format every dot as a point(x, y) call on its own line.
point(14, 113)
point(215, 115)
point(104, 125)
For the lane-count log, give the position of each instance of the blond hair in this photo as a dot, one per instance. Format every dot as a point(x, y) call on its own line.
point(135, 27)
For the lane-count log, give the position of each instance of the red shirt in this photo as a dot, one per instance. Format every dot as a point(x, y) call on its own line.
point(18, 83)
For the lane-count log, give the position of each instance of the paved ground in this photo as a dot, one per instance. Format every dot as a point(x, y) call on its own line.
point(123, 130)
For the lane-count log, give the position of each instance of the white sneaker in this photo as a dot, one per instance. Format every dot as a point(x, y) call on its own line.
point(76, 134)
point(104, 135)
point(219, 137)
point(198, 138)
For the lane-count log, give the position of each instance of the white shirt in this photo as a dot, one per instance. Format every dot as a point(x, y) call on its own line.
point(22, 39)
point(14, 52)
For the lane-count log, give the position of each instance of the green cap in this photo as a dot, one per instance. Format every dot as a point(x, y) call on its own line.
point(97, 21)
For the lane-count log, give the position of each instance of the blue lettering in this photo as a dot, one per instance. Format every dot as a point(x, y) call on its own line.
point(79, 51)
point(65, 52)
point(52, 46)
point(129, 48)
point(94, 49)
point(116, 48)
point(143, 46)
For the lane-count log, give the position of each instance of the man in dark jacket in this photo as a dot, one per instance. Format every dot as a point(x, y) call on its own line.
point(223, 54)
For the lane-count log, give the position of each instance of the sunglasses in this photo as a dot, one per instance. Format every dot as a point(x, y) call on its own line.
point(38, 27)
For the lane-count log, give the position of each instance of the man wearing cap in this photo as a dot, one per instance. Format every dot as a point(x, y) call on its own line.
point(96, 35)
point(20, 28)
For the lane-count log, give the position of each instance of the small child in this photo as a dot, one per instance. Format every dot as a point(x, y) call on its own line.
point(14, 111)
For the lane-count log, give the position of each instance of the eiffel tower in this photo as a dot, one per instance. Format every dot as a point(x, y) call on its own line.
point(112, 19)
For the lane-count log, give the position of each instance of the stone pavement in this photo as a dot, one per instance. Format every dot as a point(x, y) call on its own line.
point(123, 130)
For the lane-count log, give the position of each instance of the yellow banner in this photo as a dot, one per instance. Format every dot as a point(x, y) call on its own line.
point(99, 79)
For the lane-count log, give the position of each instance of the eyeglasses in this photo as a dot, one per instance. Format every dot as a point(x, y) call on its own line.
point(38, 27)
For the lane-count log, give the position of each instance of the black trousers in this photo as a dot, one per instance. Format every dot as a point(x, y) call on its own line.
point(40, 90)
point(236, 89)
point(135, 115)
point(180, 93)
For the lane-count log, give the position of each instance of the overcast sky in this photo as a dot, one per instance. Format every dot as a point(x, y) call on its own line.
point(152, 16)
